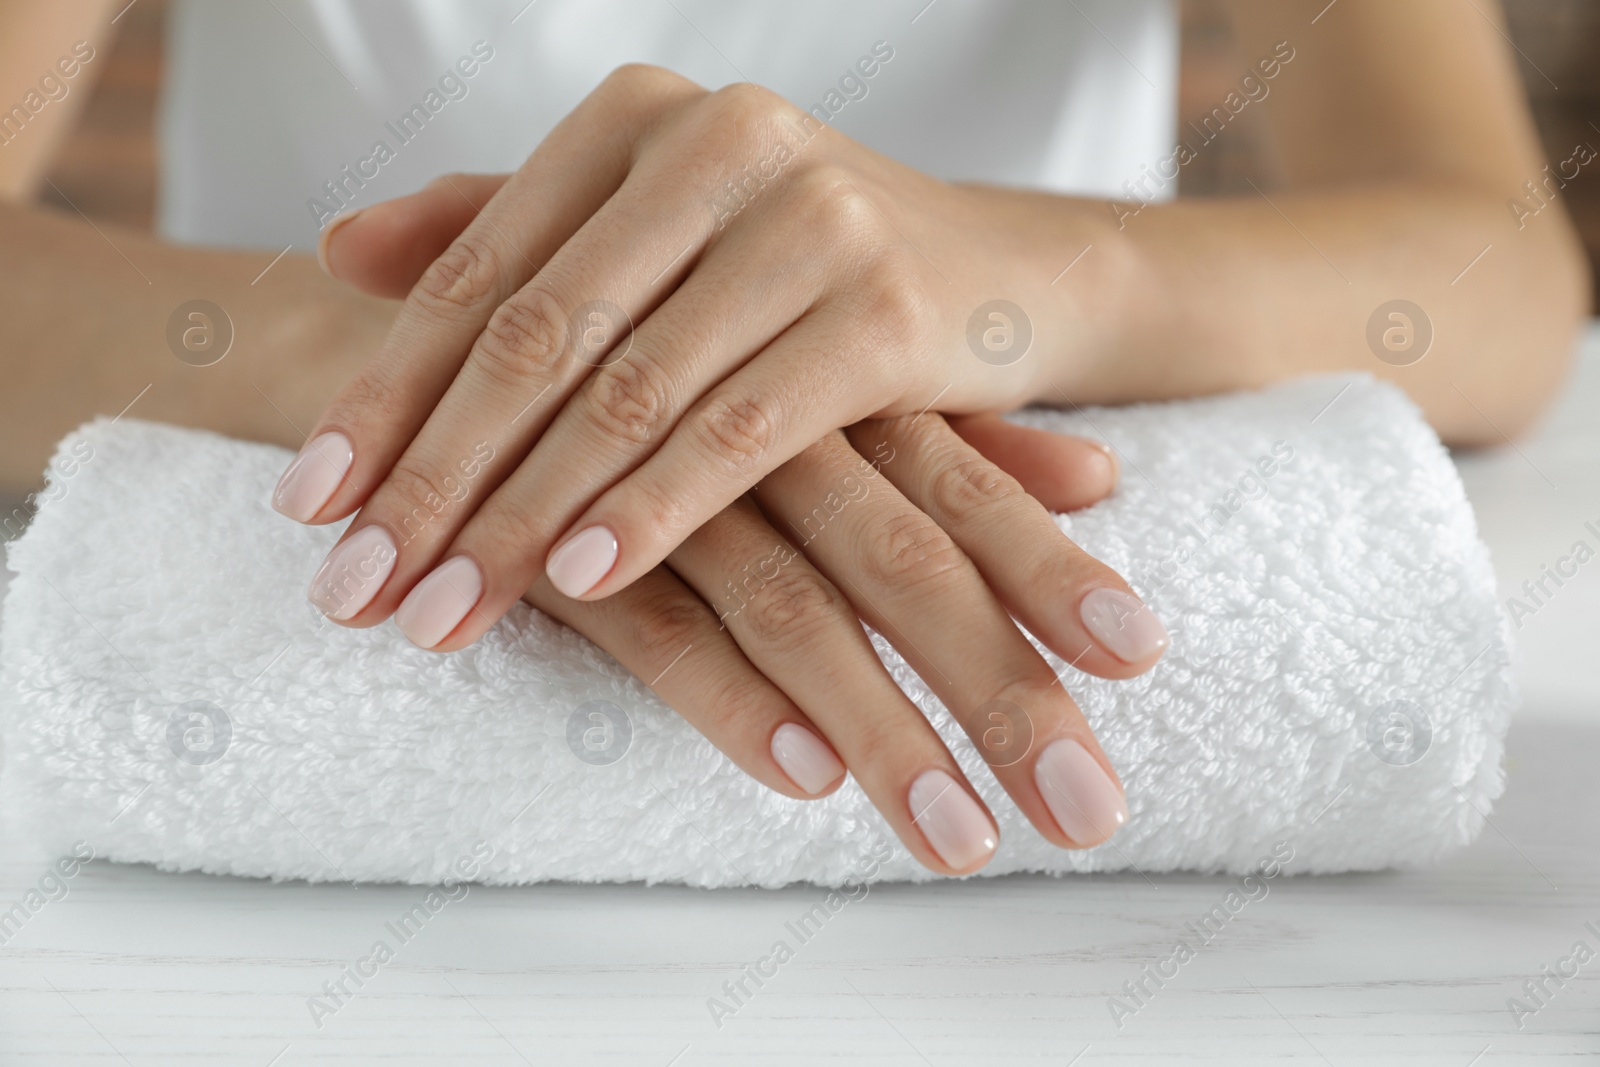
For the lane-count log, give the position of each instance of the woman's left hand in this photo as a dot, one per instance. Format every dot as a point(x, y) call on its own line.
point(678, 291)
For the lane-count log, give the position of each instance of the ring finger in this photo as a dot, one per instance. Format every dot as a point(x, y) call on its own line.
point(799, 631)
point(910, 581)
point(663, 633)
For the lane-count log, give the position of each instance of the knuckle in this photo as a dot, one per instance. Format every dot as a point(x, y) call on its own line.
point(417, 498)
point(644, 78)
point(731, 702)
point(832, 204)
point(660, 508)
point(899, 303)
point(738, 429)
point(966, 488)
point(511, 537)
point(1068, 571)
point(790, 607)
point(371, 397)
point(667, 625)
point(882, 742)
point(1036, 692)
point(909, 549)
point(636, 97)
point(464, 276)
point(747, 106)
point(523, 339)
point(631, 74)
point(630, 401)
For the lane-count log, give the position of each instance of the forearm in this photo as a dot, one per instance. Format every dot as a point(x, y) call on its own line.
point(86, 322)
point(1399, 166)
point(1211, 295)
point(50, 57)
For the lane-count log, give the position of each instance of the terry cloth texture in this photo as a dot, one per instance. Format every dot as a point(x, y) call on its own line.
point(1339, 679)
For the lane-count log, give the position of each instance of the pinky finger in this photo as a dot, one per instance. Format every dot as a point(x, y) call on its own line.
point(1060, 471)
point(665, 635)
point(384, 249)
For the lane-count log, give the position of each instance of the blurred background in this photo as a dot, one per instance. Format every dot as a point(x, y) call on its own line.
point(108, 167)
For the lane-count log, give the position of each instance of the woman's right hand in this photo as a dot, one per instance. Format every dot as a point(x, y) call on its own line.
point(752, 629)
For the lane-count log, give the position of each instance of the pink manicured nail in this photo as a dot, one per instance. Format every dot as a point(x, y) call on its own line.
point(1123, 624)
point(432, 610)
point(577, 566)
point(808, 762)
point(1087, 804)
point(353, 573)
point(951, 820)
point(313, 476)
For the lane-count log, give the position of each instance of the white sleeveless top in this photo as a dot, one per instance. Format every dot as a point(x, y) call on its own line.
point(271, 109)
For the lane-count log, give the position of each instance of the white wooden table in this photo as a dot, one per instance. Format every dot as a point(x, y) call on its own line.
point(139, 967)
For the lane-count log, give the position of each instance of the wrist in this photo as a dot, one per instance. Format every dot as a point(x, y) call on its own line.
point(1084, 284)
point(1101, 308)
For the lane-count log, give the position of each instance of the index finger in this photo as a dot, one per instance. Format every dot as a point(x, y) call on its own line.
point(571, 174)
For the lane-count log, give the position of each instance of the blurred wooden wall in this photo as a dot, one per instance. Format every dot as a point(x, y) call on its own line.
point(1559, 42)
point(109, 165)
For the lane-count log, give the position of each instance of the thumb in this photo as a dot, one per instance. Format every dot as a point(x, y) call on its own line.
point(1060, 471)
point(382, 250)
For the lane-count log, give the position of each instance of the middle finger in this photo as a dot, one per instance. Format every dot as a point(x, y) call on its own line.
point(800, 632)
point(912, 583)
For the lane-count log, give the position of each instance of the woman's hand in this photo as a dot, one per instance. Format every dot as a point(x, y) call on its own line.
point(753, 634)
point(678, 292)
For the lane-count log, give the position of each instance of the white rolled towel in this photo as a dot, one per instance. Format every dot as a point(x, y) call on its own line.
point(1338, 682)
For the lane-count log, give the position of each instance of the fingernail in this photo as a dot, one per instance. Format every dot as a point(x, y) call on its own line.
point(1111, 461)
point(327, 238)
point(353, 573)
point(432, 610)
point(1087, 804)
point(951, 820)
point(808, 762)
point(1123, 624)
point(577, 566)
point(316, 472)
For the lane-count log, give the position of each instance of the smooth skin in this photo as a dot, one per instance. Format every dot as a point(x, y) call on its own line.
point(753, 625)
